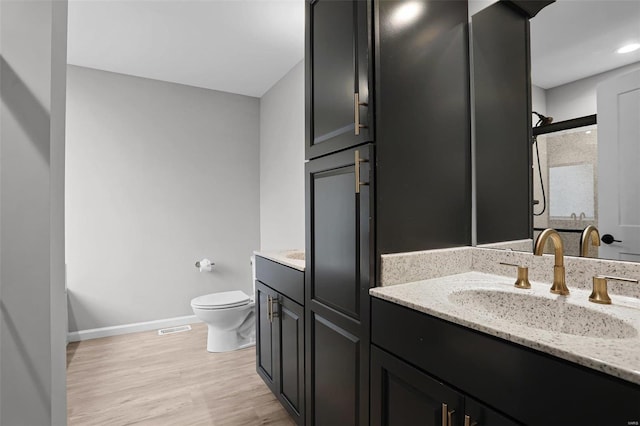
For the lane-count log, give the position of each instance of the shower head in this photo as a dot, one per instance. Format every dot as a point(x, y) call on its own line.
point(543, 120)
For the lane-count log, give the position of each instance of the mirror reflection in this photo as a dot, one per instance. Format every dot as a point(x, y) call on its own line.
point(585, 68)
point(565, 185)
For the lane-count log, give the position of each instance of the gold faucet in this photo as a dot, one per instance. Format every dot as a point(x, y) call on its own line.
point(559, 286)
point(584, 240)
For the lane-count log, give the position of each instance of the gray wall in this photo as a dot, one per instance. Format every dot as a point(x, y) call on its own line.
point(538, 102)
point(32, 304)
point(578, 98)
point(476, 6)
point(282, 163)
point(159, 175)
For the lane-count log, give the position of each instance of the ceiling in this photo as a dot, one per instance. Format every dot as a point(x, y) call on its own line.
point(246, 46)
point(574, 39)
point(237, 46)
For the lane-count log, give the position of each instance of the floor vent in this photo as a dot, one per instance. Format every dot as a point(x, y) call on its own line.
point(172, 330)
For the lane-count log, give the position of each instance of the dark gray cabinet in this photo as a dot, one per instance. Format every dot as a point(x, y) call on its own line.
point(422, 120)
point(337, 282)
point(266, 339)
point(280, 337)
point(502, 108)
point(290, 330)
point(524, 385)
point(478, 414)
point(414, 101)
point(404, 395)
point(338, 112)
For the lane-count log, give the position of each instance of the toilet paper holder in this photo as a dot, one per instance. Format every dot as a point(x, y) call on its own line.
point(198, 263)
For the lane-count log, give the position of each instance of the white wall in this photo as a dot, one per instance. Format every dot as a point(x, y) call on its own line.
point(282, 163)
point(159, 175)
point(578, 98)
point(32, 304)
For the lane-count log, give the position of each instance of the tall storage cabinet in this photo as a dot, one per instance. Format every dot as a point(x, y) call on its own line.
point(388, 139)
point(337, 282)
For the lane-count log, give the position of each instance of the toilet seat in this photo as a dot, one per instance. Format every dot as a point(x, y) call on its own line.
point(222, 300)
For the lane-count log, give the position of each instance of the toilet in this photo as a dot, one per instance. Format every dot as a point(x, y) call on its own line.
point(230, 317)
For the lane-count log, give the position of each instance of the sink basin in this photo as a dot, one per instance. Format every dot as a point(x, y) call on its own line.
point(542, 313)
point(295, 255)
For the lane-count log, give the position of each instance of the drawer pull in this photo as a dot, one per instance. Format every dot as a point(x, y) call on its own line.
point(447, 416)
point(274, 312)
point(356, 113)
point(359, 160)
point(468, 422)
point(444, 414)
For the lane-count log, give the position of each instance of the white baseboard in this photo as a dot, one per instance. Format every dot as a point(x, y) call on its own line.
point(96, 333)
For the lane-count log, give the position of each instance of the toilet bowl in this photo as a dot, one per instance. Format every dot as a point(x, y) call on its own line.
point(230, 317)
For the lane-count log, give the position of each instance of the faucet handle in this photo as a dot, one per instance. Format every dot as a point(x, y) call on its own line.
point(523, 275)
point(599, 294)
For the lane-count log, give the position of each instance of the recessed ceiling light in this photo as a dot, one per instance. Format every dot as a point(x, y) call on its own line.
point(629, 48)
point(588, 132)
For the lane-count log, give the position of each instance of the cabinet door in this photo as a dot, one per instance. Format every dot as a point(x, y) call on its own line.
point(337, 283)
point(477, 414)
point(266, 335)
point(291, 362)
point(337, 68)
point(404, 395)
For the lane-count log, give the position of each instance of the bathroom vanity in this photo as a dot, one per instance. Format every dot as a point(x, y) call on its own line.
point(455, 343)
point(280, 327)
point(414, 373)
point(388, 144)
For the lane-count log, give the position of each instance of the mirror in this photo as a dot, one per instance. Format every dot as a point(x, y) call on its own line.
point(589, 172)
point(565, 186)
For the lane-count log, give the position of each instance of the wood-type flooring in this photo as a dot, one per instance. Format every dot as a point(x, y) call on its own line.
point(147, 379)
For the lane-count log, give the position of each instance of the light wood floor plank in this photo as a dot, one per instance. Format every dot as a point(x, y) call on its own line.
point(146, 379)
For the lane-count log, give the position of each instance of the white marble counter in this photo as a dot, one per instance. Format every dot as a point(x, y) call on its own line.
point(620, 357)
point(292, 258)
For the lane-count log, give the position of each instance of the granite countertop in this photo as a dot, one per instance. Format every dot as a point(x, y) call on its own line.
point(292, 258)
point(617, 354)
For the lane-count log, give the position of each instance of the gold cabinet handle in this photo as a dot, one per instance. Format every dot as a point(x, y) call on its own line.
point(447, 416)
point(444, 414)
point(274, 313)
point(356, 113)
point(359, 160)
point(468, 422)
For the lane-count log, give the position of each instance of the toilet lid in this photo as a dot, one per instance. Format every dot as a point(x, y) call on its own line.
point(225, 299)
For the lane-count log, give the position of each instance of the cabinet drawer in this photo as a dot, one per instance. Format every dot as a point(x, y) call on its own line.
point(549, 390)
point(283, 279)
